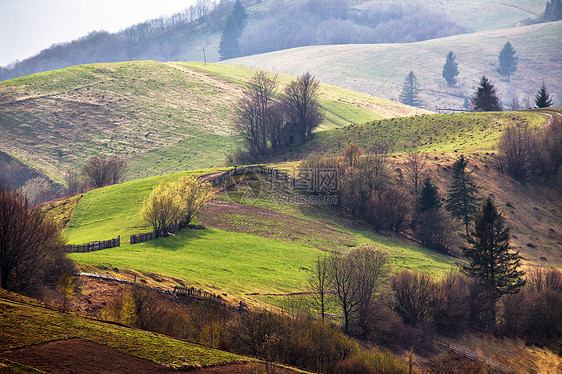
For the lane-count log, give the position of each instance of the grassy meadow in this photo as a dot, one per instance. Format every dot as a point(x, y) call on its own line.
point(251, 256)
point(466, 132)
point(161, 117)
point(43, 324)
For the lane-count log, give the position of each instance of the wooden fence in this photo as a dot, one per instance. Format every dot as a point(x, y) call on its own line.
point(94, 246)
point(194, 293)
point(245, 170)
point(475, 357)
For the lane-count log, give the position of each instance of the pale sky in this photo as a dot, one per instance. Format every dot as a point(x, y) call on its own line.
point(29, 26)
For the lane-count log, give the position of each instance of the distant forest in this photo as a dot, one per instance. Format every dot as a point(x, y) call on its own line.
point(317, 22)
point(271, 26)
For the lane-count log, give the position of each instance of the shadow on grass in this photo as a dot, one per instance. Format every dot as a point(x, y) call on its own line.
point(176, 242)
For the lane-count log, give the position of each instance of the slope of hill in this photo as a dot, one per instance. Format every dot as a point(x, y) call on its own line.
point(380, 69)
point(245, 251)
point(28, 325)
point(533, 210)
point(162, 117)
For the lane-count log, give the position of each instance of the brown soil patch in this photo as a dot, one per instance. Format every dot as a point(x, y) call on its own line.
point(231, 216)
point(81, 356)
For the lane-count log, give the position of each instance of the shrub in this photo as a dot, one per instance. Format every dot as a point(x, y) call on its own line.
point(388, 210)
point(175, 203)
point(31, 246)
point(535, 313)
point(300, 342)
point(451, 309)
point(372, 362)
point(100, 171)
point(414, 294)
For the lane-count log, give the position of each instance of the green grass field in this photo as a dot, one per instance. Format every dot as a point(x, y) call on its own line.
point(223, 260)
point(42, 324)
point(161, 117)
point(380, 69)
point(466, 132)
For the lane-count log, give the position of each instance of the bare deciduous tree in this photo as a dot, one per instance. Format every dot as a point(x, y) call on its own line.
point(301, 103)
point(414, 294)
point(100, 171)
point(320, 283)
point(415, 170)
point(351, 155)
point(254, 113)
point(356, 278)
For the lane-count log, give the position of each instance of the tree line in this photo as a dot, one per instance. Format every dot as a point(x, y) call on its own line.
point(162, 39)
point(174, 38)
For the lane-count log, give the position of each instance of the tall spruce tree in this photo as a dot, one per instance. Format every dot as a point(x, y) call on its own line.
point(507, 60)
point(462, 201)
point(235, 22)
point(490, 257)
point(450, 70)
point(429, 196)
point(542, 98)
point(430, 223)
point(485, 98)
point(410, 91)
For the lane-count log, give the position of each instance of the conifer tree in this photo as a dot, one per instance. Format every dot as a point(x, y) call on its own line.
point(430, 223)
point(429, 196)
point(542, 98)
point(462, 201)
point(490, 258)
point(410, 91)
point(450, 69)
point(229, 46)
point(485, 98)
point(507, 60)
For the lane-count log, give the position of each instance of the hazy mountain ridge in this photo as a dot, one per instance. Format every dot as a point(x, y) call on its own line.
point(193, 35)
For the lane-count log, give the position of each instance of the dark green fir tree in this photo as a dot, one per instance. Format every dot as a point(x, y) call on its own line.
point(507, 60)
point(462, 201)
point(229, 46)
point(429, 196)
point(490, 258)
point(485, 98)
point(450, 70)
point(410, 91)
point(542, 98)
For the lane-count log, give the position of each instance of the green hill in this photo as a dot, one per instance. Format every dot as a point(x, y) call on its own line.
point(259, 250)
point(461, 132)
point(245, 251)
point(380, 69)
point(26, 323)
point(162, 117)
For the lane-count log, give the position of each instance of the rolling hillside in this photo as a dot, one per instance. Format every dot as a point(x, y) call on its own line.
point(43, 337)
point(252, 251)
point(162, 117)
point(380, 69)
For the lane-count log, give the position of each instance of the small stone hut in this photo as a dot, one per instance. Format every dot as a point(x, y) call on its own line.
point(291, 135)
